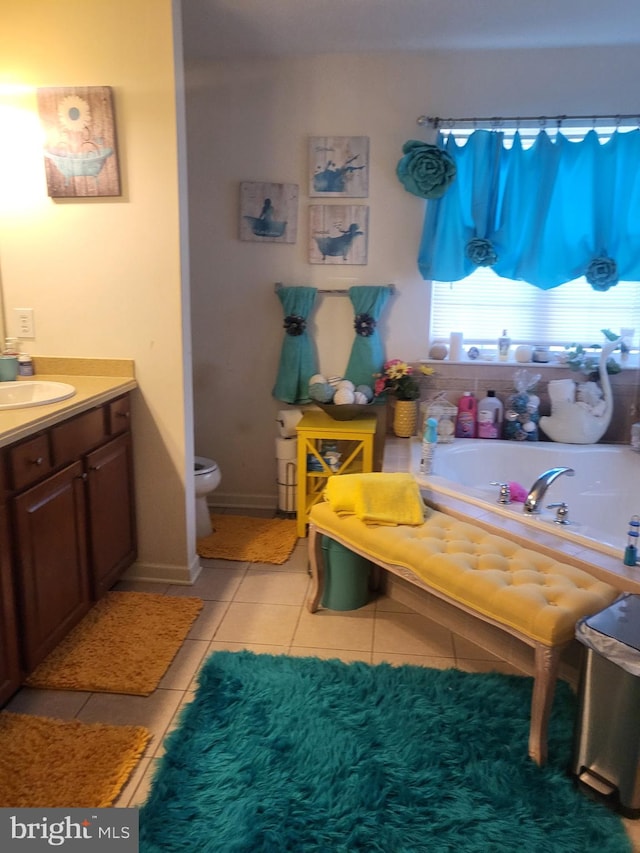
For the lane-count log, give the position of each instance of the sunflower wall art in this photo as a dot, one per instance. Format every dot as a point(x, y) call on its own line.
point(80, 152)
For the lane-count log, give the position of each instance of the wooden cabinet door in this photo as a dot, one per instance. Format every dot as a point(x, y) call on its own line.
point(10, 675)
point(112, 531)
point(51, 561)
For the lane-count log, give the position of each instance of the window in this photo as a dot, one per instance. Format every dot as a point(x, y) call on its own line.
point(483, 304)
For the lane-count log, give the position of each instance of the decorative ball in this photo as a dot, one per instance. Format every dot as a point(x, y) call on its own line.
point(438, 351)
point(346, 383)
point(342, 396)
point(367, 391)
point(317, 378)
point(321, 391)
point(360, 398)
point(334, 380)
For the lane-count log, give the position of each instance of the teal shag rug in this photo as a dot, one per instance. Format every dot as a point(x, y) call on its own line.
point(280, 753)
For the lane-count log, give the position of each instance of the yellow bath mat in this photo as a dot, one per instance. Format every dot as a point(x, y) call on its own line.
point(248, 539)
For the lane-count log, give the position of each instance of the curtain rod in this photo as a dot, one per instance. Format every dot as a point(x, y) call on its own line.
point(390, 287)
point(542, 121)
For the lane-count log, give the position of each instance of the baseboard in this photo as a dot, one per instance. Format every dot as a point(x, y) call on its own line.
point(221, 501)
point(164, 573)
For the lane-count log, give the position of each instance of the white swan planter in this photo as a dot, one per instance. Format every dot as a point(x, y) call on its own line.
point(578, 422)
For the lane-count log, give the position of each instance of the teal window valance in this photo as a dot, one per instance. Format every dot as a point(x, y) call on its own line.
point(545, 214)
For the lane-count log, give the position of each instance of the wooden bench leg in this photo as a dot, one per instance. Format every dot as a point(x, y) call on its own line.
point(547, 664)
point(316, 564)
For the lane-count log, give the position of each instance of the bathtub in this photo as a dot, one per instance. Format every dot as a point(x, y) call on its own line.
point(602, 496)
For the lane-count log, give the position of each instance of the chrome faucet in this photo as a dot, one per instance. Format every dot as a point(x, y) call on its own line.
point(539, 488)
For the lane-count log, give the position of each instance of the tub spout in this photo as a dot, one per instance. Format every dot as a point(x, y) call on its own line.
point(539, 488)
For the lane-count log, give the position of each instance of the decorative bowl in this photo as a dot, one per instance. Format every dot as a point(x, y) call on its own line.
point(347, 411)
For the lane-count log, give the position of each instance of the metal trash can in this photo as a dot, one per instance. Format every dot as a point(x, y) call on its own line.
point(606, 756)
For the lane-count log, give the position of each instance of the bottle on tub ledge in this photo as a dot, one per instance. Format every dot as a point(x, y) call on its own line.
point(467, 416)
point(490, 412)
point(504, 343)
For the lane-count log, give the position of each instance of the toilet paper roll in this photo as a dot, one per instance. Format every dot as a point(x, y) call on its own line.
point(286, 498)
point(286, 448)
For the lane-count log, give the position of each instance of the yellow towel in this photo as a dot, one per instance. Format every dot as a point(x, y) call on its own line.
point(377, 498)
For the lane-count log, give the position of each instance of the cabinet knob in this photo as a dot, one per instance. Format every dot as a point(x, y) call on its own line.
point(37, 461)
point(122, 415)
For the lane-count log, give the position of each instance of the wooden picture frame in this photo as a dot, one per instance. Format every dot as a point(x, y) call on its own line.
point(80, 149)
point(268, 212)
point(339, 166)
point(338, 233)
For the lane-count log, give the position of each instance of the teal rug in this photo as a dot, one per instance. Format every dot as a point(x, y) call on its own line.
point(299, 754)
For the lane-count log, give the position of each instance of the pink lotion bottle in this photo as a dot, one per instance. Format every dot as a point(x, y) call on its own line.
point(467, 414)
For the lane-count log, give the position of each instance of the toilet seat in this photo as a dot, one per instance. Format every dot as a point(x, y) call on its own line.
point(202, 465)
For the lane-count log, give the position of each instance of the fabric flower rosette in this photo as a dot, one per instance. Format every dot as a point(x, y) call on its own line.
point(294, 325)
point(602, 273)
point(425, 170)
point(364, 325)
point(481, 252)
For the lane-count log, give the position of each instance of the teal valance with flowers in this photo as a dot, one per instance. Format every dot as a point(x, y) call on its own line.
point(545, 214)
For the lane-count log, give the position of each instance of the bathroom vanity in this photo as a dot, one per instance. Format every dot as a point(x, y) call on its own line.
point(67, 517)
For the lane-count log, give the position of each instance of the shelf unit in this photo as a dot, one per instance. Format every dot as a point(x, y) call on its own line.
point(355, 441)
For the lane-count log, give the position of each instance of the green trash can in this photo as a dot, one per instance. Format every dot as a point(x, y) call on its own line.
point(346, 585)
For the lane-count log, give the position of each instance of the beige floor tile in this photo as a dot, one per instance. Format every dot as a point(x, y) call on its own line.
point(213, 585)
point(208, 621)
point(257, 648)
point(345, 655)
point(154, 712)
point(129, 790)
point(182, 668)
point(143, 586)
point(402, 659)
point(495, 665)
point(59, 704)
point(400, 633)
point(388, 605)
point(272, 624)
point(139, 788)
point(266, 586)
point(464, 648)
point(327, 629)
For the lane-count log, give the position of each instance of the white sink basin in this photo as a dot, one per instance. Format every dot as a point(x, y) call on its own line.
point(21, 394)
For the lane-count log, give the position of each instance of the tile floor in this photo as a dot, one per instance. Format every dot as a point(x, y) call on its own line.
point(260, 607)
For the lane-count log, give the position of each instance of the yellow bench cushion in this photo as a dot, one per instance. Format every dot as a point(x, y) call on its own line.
point(518, 587)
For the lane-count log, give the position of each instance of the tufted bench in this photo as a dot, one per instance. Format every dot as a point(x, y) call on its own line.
point(526, 594)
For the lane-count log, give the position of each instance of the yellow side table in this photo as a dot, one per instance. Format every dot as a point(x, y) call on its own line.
point(316, 431)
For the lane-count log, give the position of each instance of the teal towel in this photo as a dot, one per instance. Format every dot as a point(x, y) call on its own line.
point(298, 361)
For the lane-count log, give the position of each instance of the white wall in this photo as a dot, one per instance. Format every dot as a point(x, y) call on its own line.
point(250, 121)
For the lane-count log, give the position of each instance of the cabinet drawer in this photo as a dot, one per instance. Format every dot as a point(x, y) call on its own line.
point(74, 438)
point(29, 462)
point(119, 415)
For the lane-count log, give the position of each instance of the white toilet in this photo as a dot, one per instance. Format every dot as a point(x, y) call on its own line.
point(207, 477)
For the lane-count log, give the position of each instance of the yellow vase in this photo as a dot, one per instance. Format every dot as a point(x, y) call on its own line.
point(405, 418)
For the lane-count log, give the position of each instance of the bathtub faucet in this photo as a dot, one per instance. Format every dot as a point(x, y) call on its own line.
point(539, 488)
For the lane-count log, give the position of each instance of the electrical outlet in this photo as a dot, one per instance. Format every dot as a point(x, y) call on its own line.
point(24, 322)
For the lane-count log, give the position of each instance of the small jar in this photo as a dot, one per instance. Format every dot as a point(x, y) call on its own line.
point(635, 437)
point(25, 365)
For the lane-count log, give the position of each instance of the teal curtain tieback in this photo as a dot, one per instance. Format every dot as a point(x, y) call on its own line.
point(298, 361)
point(367, 354)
